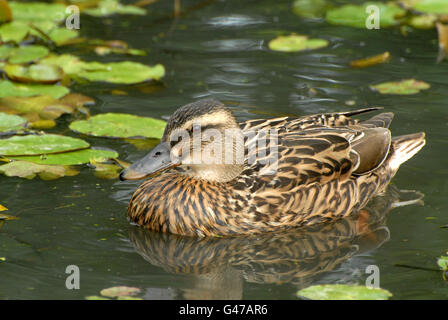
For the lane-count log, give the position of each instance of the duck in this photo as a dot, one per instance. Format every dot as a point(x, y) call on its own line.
point(211, 176)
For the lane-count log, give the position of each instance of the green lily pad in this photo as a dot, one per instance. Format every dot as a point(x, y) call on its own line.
point(110, 7)
point(10, 89)
point(343, 292)
point(27, 54)
point(427, 6)
point(424, 21)
point(40, 144)
point(294, 43)
point(11, 122)
point(36, 73)
point(310, 8)
point(29, 170)
point(61, 36)
point(37, 11)
point(120, 125)
point(15, 31)
point(119, 291)
point(96, 298)
point(122, 72)
point(70, 158)
point(404, 87)
point(356, 15)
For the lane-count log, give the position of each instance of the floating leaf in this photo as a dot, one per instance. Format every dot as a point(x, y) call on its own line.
point(294, 43)
point(70, 158)
point(96, 298)
point(5, 11)
point(442, 31)
point(40, 144)
point(310, 8)
point(10, 89)
point(14, 31)
point(27, 54)
point(443, 263)
point(40, 73)
point(427, 6)
point(122, 72)
point(10, 122)
point(356, 15)
point(110, 7)
point(37, 11)
point(128, 298)
point(343, 292)
point(42, 124)
point(425, 21)
point(371, 61)
point(6, 217)
point(120, 125)
point(29, 170)
point(407, 86)
point(62, 36)
point(119, 291)
point(2, 208)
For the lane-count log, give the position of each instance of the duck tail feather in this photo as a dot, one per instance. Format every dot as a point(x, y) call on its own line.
point(405, 147)
point(382, 120)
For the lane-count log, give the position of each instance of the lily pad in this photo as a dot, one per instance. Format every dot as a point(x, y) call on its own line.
point(96, 298)
point(35, 73)
point(70, 158)
point(37, 11)
point(62, 36)
point(5, 11)
point(10, 89)
point(6, 217)
point(427, 6)
point(356, 15)
point(119, 291)
point(29, 170)
point(40, 144)
point(120, 125)
point(15, 31)
point(371, 61)
point(27, 54)
point(10, 122)
point(403, 87)
point(294, 43)
point(2, 208)
point(443, 263)
point(343, 292)
point(110, 7)
point(310, 8)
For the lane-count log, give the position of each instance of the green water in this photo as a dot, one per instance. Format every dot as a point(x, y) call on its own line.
point(219, 49)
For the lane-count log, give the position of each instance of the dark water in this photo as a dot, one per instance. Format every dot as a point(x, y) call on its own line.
point(219, 49)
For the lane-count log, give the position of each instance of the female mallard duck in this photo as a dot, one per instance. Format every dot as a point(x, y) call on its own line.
point(319, 168)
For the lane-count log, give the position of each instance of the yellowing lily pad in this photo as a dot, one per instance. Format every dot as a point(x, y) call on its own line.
point(35, 73)
point(404, 87)
point(5, 11)
point(294, 43)
point(10, 89)
point(2, 208)
point(29, 170)
point(356, 15)
point(10, 122)
point(110, 7)
point(70, 158)
point(370, 61)
point(343, 292)
point(120, 125)
point(40, 144)
point(119, 291)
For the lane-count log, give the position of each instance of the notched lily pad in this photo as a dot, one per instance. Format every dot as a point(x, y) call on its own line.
point(40, 144)
point(11, 122)
point(120, 125)
point(403, 87)
point(29, 170)
point(343, 292)
point(295, 42)
point(119, 291)
point(10, 89)
point(356, 15)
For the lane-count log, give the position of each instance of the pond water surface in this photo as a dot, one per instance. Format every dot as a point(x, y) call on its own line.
point(219, 49)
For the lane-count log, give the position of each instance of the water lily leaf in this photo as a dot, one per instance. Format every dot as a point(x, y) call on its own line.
point(443, 263)
point(120, 125)
point(442, 31)
point(128, 298)
point(15, 31)
point(35, 73)
point(2, 208)
point(70, 158)
point(110, 7)
point(119, 291)
point(356, 15)
point(42, 124)
point(11, 122)
point(62, 36)
point(28, 54)
point(5, 11)
point(310, 8)
point(10, 89)
point(427, 6)
point(6, 217)
point(121, 72)
point(407, 86)
point(107, 171)
point(40, 144)
point(424, 21)
point(343, 292)
point(294, 43)
point(69, 63)
point(96, 298)
point(77, 100)
point(371, 61)
point(29, 170)
point(37, 11)
point(37, 108)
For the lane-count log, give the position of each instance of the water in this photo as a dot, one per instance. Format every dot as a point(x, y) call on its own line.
point(219, 49)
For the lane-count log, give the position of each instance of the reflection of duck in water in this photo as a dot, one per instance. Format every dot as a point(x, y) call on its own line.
point(297, 256)
point(325, 167)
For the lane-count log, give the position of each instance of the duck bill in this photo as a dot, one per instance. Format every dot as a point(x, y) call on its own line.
point(158, 160)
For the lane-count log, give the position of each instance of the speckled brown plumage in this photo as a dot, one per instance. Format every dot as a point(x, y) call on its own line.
point(328, 166)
